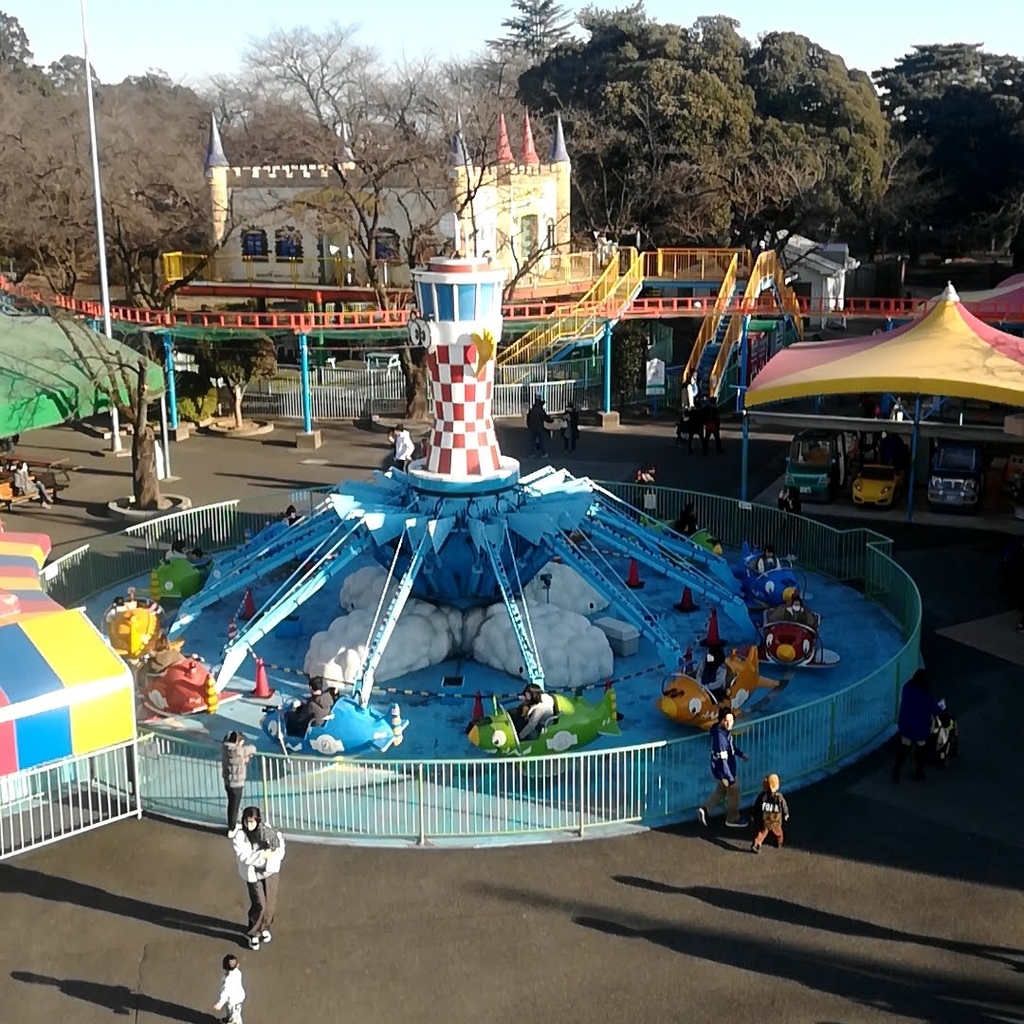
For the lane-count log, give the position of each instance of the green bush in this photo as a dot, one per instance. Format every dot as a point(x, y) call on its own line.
point(197, 400)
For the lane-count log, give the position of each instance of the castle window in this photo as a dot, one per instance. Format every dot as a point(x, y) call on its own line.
point(288, 244)
point(386, 245)
point(551, 234)
point(254, 244)
point(528, 236)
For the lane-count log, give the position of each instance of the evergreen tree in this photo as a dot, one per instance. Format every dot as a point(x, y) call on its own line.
point(534, 29)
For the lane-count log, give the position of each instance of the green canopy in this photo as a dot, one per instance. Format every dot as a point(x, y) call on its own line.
point(54, 372)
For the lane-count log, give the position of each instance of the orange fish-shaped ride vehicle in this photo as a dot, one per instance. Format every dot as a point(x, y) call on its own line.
point(687, 701)
point(182, 688)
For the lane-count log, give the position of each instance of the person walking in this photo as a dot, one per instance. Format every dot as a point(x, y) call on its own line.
point(232, 991)
point(259, 850)
point(712, 429)
point(770, 811)
point(914, 723)
point(723, 769)
point(571, 431)
point(405, 449)
point(537, 420)
point(235, 755)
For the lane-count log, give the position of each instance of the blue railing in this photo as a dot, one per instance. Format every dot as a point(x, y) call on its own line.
point(470, 800)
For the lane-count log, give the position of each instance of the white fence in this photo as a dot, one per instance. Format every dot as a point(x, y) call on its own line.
point(344, 394)
point(49, 803)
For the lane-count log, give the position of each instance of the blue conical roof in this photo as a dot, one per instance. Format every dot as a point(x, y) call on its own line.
point(559, 154)
point(215, 149)
point(458, 155)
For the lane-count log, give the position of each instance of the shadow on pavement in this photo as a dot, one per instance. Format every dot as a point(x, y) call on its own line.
point(771, 908)
point(119, 999)
point(41, 886)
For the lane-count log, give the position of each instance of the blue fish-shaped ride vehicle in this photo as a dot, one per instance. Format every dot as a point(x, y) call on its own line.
point(765, 588)
point(351, 729)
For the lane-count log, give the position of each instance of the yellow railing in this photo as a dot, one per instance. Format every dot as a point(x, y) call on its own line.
point(709, 326)
point(573, 268)
point(767, 265)
point(691, 264)
point(538, 341)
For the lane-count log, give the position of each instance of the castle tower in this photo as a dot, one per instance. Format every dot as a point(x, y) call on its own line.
point(460, 302)
point(530, 158)
point(504, 157)
point(562, 169)
point(217, 182)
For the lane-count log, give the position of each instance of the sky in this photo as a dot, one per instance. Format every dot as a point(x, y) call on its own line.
point(192, 39)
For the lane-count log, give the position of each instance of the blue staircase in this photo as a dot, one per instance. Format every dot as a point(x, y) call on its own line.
point(710, 354)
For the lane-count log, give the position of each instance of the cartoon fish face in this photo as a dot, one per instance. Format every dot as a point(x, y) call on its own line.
point(494, 732)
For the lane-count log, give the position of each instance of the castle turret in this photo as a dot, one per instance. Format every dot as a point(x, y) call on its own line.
point(530, 158)
point(562, 169)
point(217, 181)
point(458, 154)
point(504, 156)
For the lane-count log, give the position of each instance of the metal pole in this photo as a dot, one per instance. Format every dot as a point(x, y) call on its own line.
point(172, 385)
point(607, 366)
point(101, 238)
point(165, 434)
point(744, 364)
point(913, 458)
point(743, 448)
point(307, 398)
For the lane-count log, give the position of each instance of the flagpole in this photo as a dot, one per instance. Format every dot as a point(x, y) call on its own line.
point(101, 238)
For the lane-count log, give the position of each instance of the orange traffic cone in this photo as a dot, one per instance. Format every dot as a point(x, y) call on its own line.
point(713, 639)
point(633, 580)
point(232, 630)
point(686, 603)
point(247, 609)
point(478, 707)
point(262, 690)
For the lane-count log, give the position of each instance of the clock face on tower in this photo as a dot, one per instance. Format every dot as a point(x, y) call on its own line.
point(420, 335)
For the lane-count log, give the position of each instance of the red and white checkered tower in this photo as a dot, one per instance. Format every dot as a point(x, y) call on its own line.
point(459, 323)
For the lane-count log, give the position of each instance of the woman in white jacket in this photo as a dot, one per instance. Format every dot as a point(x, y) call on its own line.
point(259, 850)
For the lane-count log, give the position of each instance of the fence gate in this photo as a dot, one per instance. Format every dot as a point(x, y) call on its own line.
point(44, 805)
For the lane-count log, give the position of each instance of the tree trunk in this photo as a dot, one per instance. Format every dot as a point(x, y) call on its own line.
point(237, 392)
point(145, 486)
point(414, 368)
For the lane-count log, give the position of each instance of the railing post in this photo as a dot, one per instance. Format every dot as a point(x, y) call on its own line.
point(421, 837)
point(831, 733)
point(608, 365)
point(264, 789)
point(581, 791)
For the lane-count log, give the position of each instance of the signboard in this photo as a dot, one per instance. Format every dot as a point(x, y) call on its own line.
point(655, 378)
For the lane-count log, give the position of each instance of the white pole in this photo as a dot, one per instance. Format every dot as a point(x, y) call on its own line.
point(165, 434)
point(101, 238)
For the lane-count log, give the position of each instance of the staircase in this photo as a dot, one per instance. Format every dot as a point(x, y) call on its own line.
point(608, 299)
point(714, 325)
point(767, 274)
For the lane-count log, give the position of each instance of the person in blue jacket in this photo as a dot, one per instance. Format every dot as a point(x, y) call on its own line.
point(723, 767)
point(917, 706)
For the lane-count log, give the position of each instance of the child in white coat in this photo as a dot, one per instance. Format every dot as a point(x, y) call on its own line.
point(232, 993)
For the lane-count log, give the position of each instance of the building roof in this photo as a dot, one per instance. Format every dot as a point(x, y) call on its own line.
point(947, 352)
point(826, 258)
point(559, 154)
point(215, 148)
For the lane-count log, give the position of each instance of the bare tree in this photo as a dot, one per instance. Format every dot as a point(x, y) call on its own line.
point(123, 377)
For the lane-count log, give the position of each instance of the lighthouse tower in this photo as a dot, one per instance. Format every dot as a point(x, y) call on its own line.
point(459, 324)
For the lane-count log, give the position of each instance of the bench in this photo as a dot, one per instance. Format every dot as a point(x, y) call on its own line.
point(58, 470)
point(50, 481)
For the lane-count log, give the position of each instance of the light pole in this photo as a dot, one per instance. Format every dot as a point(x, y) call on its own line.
point(101, 239)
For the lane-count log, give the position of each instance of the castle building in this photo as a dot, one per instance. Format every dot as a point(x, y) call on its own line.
point(290, 225)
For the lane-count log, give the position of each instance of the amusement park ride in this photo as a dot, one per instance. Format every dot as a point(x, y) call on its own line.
point(461, 528)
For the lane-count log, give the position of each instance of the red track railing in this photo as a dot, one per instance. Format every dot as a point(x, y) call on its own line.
point(643, 308)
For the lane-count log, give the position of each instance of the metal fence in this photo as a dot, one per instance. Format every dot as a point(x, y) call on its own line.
point(43, 805)
point(347, 394)
point(468, 800)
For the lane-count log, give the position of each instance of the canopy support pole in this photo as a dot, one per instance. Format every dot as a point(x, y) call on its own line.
point(913, 458)
point(307, 397)
point(607, 368)
point(744, 448)
point(172, 388)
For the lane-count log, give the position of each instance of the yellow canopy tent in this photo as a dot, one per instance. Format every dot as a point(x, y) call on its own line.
point(947, 352)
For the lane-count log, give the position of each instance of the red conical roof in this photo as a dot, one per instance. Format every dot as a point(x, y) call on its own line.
point(504, 146)
point(530, 158)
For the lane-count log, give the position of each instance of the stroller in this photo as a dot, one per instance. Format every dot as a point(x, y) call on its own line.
point(944, 739)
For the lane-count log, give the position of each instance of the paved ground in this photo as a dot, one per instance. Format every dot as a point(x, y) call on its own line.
point(889, 903)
